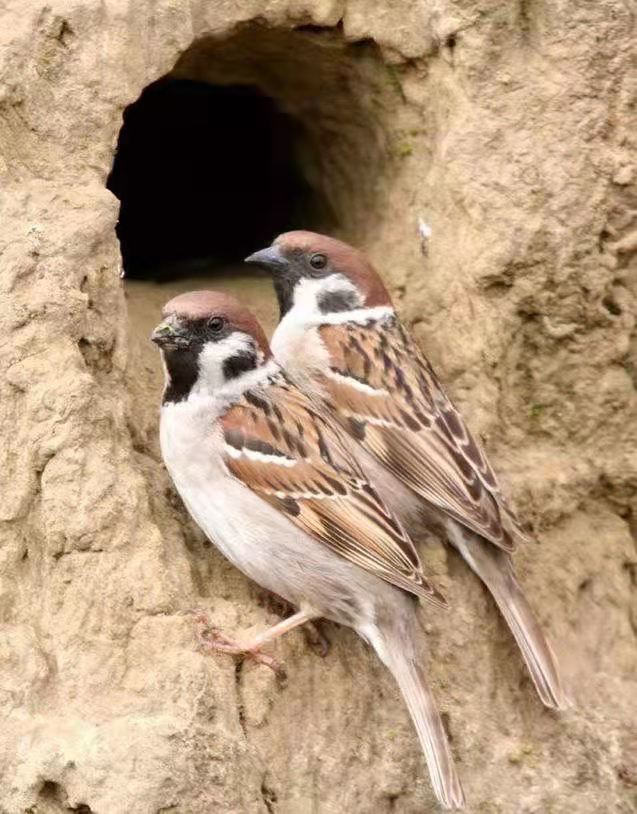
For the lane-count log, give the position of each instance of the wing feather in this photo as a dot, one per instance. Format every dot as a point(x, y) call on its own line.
point(281, 445)
point(386, 394)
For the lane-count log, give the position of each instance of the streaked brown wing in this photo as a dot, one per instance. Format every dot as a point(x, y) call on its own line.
point(280, 445)
point(386, 394)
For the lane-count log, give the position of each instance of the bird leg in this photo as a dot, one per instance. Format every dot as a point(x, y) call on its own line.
point(213, 639)
point(313, 631)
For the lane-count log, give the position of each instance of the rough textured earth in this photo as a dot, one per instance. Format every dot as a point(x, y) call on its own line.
point(510, 129)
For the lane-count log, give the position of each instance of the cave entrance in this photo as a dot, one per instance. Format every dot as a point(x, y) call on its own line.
point(206, 174)
point(248, 136)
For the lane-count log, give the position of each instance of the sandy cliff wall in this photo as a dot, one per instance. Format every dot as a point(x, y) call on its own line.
point(510, 129)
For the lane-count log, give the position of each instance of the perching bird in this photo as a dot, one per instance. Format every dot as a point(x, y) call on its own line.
point(266, 475)
point(341, 340)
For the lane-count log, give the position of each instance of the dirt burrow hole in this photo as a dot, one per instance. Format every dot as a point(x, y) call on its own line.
point(248, 136)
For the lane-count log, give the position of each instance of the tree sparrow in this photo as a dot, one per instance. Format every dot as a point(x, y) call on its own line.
point(341, 340)
point(266, 475)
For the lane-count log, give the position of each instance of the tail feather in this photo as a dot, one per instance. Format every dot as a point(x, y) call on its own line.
point(495, 569)
point(431, 732)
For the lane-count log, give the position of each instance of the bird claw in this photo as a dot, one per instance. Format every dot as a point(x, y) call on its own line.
point(212, 639)
point(316, 639)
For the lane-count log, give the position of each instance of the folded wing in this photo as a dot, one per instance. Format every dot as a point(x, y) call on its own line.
point(281, 445)
point(386, 394)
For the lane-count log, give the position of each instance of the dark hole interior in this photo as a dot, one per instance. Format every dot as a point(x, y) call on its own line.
point(206, 174)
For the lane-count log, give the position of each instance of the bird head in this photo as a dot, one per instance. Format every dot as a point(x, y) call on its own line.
point(313, 272)
point(207, 338)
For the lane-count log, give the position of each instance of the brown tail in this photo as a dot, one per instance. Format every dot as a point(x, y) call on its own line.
point(495, 569)
point(421, 704)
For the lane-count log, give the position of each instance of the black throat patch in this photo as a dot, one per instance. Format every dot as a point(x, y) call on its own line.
point(284, 289)
point(183, 371)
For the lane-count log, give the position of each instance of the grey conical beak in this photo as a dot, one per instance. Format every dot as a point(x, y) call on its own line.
point(168, 334)
point(271, 259)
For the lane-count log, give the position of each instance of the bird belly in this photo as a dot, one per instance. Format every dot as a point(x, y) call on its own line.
point(257, 538)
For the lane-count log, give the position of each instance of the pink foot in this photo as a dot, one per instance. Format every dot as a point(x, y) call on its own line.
point(212, 639)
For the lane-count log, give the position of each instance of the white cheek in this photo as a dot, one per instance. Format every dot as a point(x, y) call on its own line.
point(306, 295)
point(214, 354)
point(308, 292)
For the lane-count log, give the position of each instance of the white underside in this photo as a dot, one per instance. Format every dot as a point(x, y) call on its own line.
point(257, 538)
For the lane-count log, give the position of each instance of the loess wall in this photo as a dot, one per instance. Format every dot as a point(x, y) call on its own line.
point(510, 130)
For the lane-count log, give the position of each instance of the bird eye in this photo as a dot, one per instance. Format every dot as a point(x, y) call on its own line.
point(215, 324)
point(318, 261)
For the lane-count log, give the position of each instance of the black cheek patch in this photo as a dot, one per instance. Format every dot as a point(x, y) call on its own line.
point(242, 362)
point(333, 302)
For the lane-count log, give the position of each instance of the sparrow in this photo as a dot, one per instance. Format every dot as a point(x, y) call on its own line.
point(267, 476)
point(341, 340)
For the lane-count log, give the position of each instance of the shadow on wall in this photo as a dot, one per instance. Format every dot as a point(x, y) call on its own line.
point(265, 131)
